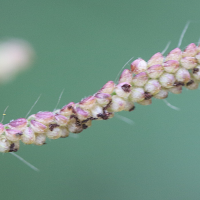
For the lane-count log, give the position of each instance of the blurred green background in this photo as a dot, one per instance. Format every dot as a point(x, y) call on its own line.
point(80, 45)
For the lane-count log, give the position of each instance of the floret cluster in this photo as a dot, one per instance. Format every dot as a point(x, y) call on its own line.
point(139, 84)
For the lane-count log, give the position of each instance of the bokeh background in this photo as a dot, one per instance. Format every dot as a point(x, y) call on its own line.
point(79, 46)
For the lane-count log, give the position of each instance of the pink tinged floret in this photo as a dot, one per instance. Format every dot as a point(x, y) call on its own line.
point(140, 79)
point(137, 94)
point(198, 57)
point(28, 136)
point(118, 104)
point(139, 65)
point(182, 75)
point(40, 139)
point(152, 87)
point(64, 132)
point(176, 89)
point(123, 89)
point(44, 117)
point(61, 120)
point(190, 50)
point(88, 123)
point(175, 54)
point(129, 106)
point(155, 71)
point(162, 94)
point(68, 109)
point(82, 114)
point(196, 73)
point(38, 127)
point(198, 48)
point(167, 80)
point(1, 128)
point(126, 76)
point(55, 133)
point(145, 102)
point(107, 88)
point(189, 62)
point(87, 103)
point(4, 144)
point(103, 98)
point(13, 134)
point(74, 127)
point(14, 146)
point(156, 59)
point(96, 110)
point(171, 66)
point(19, 124)
point(192, 85)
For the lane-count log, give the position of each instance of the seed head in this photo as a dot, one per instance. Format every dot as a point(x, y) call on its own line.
point(182, 75)
point(196, 73)
point(118, 104)
point(171, 66)
point(190, 50)
point(64, 132)
point(44, 117)
point(103, 98)
point(152, 87)
point(55, 133)
point(107, 88)
point(167, 80)
point(4, 144)
point(38, 127)
point(189, 62)
point(123, 89)
point(129, 106)
point(162, 94)
point(19, 124)
point(82, 114)
point(14, 146)
point(138, 66)
point(75, 126)
point(153, 79)
point(87, 103)
point(175, 54)
point(137, 94)
point(156, 59)
point(140, 79)
point(191, 85)
point(68, 109)
point(126, 76)
point(28, 136)
point(13, 134)
point(40, 139)
point(61, 120)
point(96, 110)
point(155, 71)
point(176, 89)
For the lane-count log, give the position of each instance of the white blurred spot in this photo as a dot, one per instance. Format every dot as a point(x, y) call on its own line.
point(15, 56)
